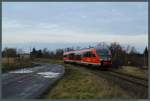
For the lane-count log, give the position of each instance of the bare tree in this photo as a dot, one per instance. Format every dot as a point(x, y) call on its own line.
point(9, 52)
point(145, 53)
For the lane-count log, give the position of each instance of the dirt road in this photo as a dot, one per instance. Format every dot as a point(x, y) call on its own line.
point(30, 82)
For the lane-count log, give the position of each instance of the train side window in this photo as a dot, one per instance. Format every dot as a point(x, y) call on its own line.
point(85, 54)
point(71, 56)
point(65, 56)
point(89, 54)
point(93, 55)
point(78, 57)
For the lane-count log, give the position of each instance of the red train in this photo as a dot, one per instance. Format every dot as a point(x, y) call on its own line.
point(90, 56)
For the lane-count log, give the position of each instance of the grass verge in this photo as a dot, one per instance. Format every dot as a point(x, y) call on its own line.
point(133, 71)
point(17, 65)
point(78, 83)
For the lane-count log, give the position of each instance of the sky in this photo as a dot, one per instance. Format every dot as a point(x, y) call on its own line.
point(61, 24)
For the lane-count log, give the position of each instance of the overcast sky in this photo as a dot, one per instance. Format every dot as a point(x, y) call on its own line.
point(82, 22)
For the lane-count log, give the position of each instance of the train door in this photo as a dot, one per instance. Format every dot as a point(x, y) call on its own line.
point(71, 56)
point(77, 57)
point(87, 57)
point(94, 58)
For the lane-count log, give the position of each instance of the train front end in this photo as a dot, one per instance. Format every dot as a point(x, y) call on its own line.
point(104, 57)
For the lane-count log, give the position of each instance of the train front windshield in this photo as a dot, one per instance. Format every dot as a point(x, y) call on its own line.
point(104, 54)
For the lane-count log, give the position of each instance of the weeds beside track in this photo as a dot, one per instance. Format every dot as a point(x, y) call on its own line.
point(136, 80)
point(133, 85)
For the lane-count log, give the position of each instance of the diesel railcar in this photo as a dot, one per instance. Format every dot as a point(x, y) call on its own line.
point(90, 56)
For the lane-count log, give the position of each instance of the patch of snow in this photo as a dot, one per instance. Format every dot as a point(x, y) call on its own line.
point(22, 71)
point(49, 74)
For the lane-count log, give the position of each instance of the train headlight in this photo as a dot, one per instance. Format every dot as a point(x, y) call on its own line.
point(109, 58)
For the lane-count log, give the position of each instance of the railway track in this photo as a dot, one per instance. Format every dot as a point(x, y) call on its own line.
point(134, 86)
point(136, 80)
point(131, 84)
point(126, 77)
point(141, 78)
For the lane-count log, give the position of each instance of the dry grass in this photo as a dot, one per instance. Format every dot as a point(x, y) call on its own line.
point(52, 61)
point(13, 63)
point(8, 60)
point(138, 72)
point(81, 84)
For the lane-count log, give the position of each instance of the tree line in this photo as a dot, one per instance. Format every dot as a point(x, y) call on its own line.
point(128, 56)
point(120, 55)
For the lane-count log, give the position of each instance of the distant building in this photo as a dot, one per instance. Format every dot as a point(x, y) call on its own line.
point(24, 55)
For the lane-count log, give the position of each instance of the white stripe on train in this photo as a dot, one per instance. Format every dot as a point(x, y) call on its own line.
point(96, 64)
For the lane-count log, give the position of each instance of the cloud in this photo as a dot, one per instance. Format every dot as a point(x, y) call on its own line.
point(55, 33)
point(11, 24)
point(47, 26)
point(117, 17)
point(83, 16)
point(75, 22)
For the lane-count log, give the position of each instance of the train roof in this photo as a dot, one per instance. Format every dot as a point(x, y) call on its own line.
point(82, 50)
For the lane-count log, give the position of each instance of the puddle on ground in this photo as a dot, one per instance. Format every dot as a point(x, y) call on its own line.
point(49, 74)
point(22, 71)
